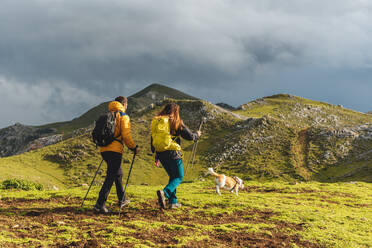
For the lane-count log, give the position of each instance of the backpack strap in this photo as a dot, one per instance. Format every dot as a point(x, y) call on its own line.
point(116, 138)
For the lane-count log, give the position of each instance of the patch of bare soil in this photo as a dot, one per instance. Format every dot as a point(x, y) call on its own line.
point(276, 190)
point(41, 220)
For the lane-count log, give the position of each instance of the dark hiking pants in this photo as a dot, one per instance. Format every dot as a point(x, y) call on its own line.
point(174, 169)
point(113, 174)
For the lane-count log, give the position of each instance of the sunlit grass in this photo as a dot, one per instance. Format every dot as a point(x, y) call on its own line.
point(329, 214)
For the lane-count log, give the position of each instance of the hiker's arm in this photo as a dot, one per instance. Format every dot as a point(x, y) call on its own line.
point(126, 133)
point(187, 134)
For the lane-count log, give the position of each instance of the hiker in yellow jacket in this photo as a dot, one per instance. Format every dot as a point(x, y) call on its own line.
point(166, 129)
point(112, 154)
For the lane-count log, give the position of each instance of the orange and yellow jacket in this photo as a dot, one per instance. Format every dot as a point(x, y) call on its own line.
point(122, 130)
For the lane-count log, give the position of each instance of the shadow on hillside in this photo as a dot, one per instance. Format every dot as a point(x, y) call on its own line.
point(356, 166)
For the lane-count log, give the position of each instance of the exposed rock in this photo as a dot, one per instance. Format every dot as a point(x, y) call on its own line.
point(328, 155)
point(41, 142)
point(17, 138)
point(365, 155)
point(247, 106)
point(333, 132)
point(225, 106)
point(305, 111)
point(234, 145)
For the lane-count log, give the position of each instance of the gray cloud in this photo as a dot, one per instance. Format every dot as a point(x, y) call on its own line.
point(220, 50)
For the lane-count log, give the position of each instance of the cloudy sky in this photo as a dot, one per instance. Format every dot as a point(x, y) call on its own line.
point(58, 58)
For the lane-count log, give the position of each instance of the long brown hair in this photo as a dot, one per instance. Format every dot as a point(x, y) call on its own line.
point(173, 111)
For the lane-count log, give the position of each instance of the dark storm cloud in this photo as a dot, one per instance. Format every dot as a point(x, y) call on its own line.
point(220, 50)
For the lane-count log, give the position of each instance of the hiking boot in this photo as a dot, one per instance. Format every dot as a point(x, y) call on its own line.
point(101, 210)
point(124, 203)
point(175, 205)
point(161, 198)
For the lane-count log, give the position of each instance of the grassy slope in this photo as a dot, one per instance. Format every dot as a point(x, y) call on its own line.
point(75, 160)
point(84, 120)
point(289, 149)
point(282, 105)
point(136, 101)
point(275, 146)
point(32, 168)
point(276, 214)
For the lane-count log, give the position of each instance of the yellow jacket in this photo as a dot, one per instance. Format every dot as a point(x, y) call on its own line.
point(122, 130)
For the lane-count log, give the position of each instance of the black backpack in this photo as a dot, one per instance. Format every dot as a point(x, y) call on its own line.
point(104, 129)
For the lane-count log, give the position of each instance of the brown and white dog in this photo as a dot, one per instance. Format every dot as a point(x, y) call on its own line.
point(229, 183)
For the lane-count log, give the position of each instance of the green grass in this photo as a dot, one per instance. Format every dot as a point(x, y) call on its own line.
point(31, 167)
point(287, 107)
point(272, 148)
point(287, 215)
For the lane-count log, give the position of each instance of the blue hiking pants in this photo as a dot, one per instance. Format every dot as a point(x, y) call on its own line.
point(174, 169)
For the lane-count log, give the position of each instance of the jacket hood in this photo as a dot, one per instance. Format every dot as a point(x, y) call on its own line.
point(116, 106)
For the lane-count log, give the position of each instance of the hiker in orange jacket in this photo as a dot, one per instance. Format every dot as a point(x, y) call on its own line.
point(112, 154)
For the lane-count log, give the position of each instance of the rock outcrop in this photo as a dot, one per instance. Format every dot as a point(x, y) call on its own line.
point(20, 138)
point(226, 106)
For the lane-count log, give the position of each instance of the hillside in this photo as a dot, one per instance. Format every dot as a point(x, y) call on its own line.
point(303, 139)
point(277, 137)
point(20, 138)
point(77, 158)
point(136, 102)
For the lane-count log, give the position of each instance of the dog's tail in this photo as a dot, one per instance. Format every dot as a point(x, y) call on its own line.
point(211, 171)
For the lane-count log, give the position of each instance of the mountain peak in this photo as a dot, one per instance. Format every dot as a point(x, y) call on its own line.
point(281, 96)
point(162, 90)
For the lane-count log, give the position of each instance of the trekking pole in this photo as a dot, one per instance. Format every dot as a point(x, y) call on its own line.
point(130, 170)
point(190, 156)
point(196, 143)
point(193, 151)
point(91, 183)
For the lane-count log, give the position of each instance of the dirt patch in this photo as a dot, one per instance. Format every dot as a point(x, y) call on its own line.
point(87, 229)
point(90, 243)
point(21, 202)
point(275, 239)
point(276, 190)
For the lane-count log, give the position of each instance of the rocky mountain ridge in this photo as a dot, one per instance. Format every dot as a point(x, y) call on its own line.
point(19, 138)
point(300, 138)
point(280, 136)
